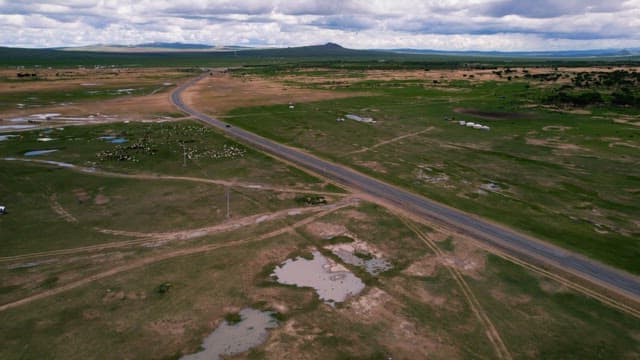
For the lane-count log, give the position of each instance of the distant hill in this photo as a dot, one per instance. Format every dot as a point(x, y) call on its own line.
point(335, 49)
point(180, 55)
point(328, 49)
point(146, 47)
point(329, 54)
point(153, 47)
point(527, 54)
point(173, 45)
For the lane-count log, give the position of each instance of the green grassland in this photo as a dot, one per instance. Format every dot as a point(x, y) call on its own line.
point(181, 148)
point(31, 190)
point(564, 177)
point(126, 316)
point(296, 57)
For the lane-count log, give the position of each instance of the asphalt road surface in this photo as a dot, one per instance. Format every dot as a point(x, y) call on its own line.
point(506, 240)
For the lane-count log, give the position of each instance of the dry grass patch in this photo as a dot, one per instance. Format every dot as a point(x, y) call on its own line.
point(221, 93)
point(325, 230)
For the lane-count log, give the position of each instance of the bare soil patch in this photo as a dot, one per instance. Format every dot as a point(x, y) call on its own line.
point(553, 287)
point(627, 119)
point(125, 107)
point(511, 300)
point(373, 165)
point(355, 215)
point(467, 258)
point(368, 305)
point(556, 128)
point(61, 211)
point(555, 143)
point(624, 144)
point(221, 93)
point(81, 195)
point(113, 110)
point(425, 266)
point(101, 199)
point(174, 327)
point(326, 230)
point(77, 78)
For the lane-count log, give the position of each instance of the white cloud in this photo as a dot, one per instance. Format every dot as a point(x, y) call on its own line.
point(437, 24)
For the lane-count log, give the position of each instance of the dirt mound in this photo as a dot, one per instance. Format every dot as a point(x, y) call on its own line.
point(426, 266)
point(368, 305)
point(101, 199)
point(326, 230)
point(81, 195)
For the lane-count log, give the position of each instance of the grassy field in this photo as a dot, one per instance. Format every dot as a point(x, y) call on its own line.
point(312, 56)
point(127, 250)
point(413, 310)
point(143, 201)
point(562, 174)
point(181, 148)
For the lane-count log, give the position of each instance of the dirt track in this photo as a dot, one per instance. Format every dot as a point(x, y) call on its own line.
point(97, 172)
point(492, 333)
point(168, 255)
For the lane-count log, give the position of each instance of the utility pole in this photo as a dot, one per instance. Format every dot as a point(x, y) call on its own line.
point(184, 156)
point(228, 202)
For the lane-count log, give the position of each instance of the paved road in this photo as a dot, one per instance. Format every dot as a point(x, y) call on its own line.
point(499, 237)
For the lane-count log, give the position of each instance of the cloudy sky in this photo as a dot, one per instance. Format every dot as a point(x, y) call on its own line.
point(426, 24)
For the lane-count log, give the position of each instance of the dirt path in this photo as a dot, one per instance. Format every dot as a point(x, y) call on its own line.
point(385, 142)
point(492, 333)
point(232, 225)
point(135, 264)
point(58, 209)
point(142, 176)
point(156, 238)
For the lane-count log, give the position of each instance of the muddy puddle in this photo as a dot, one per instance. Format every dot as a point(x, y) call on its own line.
point(7, 137)
point(39, 152)
point(47, 116)
point(333, 282)
point(359, 254)
point(50, 162)
point(490, 187)
point(113, 139)
point(16, 127)
point(227, 339)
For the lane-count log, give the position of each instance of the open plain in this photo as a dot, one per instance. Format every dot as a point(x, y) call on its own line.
point(135, 231)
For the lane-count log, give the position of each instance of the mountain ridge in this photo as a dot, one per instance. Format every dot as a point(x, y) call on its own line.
point(332, 47)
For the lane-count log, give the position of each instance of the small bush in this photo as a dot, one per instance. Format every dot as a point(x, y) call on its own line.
point(311, 200)
point(164, 288)
point(232, 318)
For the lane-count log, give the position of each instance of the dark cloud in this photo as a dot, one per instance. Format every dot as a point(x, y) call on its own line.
point(544, 9)
point(344, 22)
point(319, 7)
point(219, 8)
